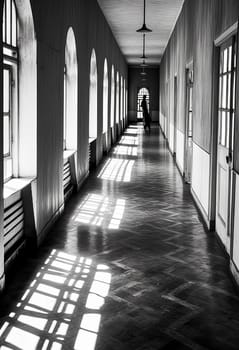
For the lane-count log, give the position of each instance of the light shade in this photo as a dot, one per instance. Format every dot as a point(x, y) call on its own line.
point(143, 57)
point(143, 64)
point(144, 29)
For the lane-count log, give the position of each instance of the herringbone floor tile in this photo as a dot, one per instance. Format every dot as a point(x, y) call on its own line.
point(129, 266)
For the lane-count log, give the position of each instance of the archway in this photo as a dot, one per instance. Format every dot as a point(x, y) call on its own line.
point(143, 91)
point(93, 97)
point(70, 93)
point(105, 98)
point(112, 102)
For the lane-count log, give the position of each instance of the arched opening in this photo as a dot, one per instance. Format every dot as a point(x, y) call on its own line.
point(143, 91)
point(93, 97)
point(20, 91)
point(70, 93)
point(105, 98)
point(117, 98)
point(112, 100)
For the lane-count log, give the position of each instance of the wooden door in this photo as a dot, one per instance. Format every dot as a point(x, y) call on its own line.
point(226, 112)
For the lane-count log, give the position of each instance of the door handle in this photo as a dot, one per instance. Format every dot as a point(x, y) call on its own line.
point(229, 158)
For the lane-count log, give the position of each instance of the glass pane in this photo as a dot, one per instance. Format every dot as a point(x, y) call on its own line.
point(225, 57)
point(228, 129)
point(233, 129)
point(229, 91)
point(220, 92)
point(3, 25)
point(190, 124)
point(14, 25)
point(224, 92)
point(221, 62)
point(234, 90)
point(229, 58)
point(223, 128)
point(190, 99)
point(6, 135)
point(6, 92)
point(8, 19)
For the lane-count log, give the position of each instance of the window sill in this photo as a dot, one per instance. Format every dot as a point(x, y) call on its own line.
point(68, 153)
point(92, 139)
point(12, 189)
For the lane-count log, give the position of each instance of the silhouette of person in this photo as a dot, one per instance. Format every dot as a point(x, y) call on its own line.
point(146, 116)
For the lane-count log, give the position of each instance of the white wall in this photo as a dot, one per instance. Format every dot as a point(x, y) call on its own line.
point(180, 150)
point(200, 176)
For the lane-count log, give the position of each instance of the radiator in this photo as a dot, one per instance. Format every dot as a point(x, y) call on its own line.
point(13, 228)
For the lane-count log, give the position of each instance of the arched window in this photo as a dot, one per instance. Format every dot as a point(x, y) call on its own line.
point(70, 93)
point(93, 97)
point(112, 105)
point(19, 93)
point(105, 98)
point(117, 97)
point(143, 91)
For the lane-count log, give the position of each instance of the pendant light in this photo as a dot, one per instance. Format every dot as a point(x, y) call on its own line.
point(144, 28)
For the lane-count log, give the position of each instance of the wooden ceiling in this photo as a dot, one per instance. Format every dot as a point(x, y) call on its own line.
point(126, 16)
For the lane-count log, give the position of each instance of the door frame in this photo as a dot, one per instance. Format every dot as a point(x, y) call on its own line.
point(189, 66)
point(218, 42)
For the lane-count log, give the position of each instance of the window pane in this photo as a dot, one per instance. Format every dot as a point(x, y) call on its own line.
point(229, 91)
point(6, 135)
point(3, 24)
point(223, 128)
point(8, 19)
point(225, 56)
point(233, 129)
point(234, 90)
point(229, 58)
point(14, 25)
point(190, 99)
point(228, 129)
point(6, 91)
point(224, 92)
point(190, 124)
point(220, 92)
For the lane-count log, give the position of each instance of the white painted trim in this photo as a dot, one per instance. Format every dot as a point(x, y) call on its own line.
point(200, 207)
point(2, 282)
point(234, 271)
point(226, 35)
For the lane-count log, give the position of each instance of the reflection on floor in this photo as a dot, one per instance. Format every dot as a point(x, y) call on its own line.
point(129, 266)
point(99, 211)
point(43, 317)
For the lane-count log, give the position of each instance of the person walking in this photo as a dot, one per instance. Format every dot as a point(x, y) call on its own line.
point(146, 116)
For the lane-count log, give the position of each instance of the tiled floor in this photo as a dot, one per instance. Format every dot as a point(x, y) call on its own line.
point(129, 266)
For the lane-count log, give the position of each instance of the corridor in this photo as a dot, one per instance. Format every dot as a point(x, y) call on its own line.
point(129, 265)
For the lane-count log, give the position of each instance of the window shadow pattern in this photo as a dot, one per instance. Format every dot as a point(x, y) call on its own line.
point(98, 210)
point(61, 309)
point(118, 170)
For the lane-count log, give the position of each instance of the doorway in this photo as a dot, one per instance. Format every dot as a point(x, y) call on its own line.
point(143, 91)
point(225, 139)
point(189, 124)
